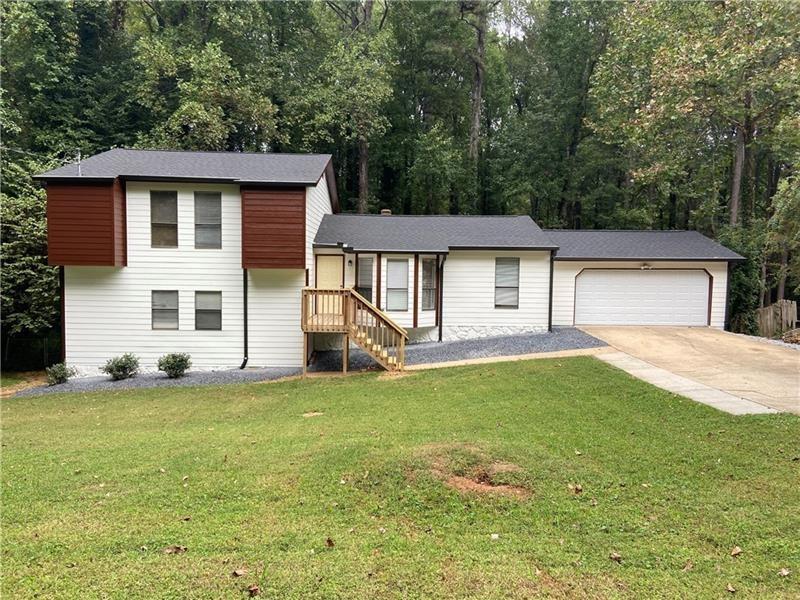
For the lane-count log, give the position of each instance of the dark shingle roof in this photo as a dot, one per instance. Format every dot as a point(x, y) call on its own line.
point(238, 167)
point(637, 245)
point(431, 233)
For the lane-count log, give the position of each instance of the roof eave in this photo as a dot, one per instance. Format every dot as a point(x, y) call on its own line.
point(652, 259)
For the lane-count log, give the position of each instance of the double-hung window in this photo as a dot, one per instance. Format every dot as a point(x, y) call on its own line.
point(207, 220)
point(164, 309)
point(428, 284)
point(163, 219)
point(364, 283)
point(397, 284)
point(208, 310)
point(506, 282)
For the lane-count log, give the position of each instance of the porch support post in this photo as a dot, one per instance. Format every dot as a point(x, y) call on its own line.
point(345, 352)
point(305, 353)
point(416, 290)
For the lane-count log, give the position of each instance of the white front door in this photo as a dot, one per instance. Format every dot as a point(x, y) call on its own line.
point(642, 297)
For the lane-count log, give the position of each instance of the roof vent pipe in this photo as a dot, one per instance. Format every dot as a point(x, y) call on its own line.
point(386, 211)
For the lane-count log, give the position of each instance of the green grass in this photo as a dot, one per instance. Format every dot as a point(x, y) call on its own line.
point(95, 486)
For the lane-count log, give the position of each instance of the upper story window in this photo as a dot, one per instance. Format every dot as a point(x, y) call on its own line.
point(506, 282)
point(397, 284)
point(207, 220)
point(364, 283)
point(163, 219)
point(208, 310)
point(164, 309)
point(428, 284)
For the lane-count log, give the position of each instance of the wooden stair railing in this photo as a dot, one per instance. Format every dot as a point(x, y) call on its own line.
point(343, 310)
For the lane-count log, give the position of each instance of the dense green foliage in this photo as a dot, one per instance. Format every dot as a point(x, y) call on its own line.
point(581, 114)
point(59, 373)
point(97, 485)
point(123, 366)
point(175, 364)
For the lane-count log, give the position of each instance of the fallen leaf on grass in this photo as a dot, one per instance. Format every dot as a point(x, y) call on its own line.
point(174, 549)
point(784, 572)
point(185, 478)
point(575, 488)
point(186, 518)
point(688, 566)
point(616, 557)
point(329, 543)
point(254, 590)
point(736, 551)
point(239, 572)
point(730, 588)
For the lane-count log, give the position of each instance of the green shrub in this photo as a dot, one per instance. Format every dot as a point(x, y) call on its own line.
point(175, 364)
point(122, 367)
point(59, 373)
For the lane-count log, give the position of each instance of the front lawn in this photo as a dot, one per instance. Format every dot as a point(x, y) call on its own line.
point(557, 478)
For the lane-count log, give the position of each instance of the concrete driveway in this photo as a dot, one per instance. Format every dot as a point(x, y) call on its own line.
point(756, 370)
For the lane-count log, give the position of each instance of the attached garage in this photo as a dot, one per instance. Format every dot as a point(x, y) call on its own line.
point(642, 297)
point(639, 278)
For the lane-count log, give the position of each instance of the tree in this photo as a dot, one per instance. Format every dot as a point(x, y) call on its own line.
point(30, 291)
point(360, 85)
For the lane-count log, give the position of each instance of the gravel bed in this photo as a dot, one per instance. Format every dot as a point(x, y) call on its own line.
point(151, 380)
point(562, 338)
point(565, 338)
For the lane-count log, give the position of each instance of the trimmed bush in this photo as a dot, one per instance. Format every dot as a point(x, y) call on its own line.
point(59, 373)
point(175, 364)
point(122, 367)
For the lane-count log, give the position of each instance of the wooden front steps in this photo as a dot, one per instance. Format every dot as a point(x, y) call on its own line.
point(345, 311)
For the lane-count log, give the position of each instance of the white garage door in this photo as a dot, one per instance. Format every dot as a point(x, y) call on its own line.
point(635, 297)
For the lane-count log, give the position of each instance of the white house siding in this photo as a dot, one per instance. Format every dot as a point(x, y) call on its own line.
point(564, 273)
point(318, 204)
point(468, 303)
point(275, 338)
point(108, 310)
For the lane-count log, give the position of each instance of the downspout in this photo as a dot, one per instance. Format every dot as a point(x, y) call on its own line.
point(550, 295)
point(62, 288)
point(441, 296)
point(244, 301)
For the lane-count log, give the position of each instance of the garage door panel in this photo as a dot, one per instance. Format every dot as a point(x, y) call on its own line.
point(641, 297)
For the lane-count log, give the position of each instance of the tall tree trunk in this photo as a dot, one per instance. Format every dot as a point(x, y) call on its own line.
point(783, 273)
point(762, 302)
point(476, 95)
point(736, 182)
point(363, 174)
point(673, 211)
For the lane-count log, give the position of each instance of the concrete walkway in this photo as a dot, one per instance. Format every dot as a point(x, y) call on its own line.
point(684, 386)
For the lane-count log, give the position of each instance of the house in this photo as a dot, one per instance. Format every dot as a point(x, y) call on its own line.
point(244, 259)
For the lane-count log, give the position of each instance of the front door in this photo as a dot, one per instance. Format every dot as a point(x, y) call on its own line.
point(330, 275)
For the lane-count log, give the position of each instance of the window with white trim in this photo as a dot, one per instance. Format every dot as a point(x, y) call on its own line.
point(506, 282)
point(364, 283)
point(208, 310)
point(428, 284)
point(163, 219)
point(397, 284)
point(164, 309)
point(207, 220)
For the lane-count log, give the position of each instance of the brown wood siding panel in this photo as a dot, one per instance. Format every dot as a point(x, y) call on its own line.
point(273, 228)
point(86, 224)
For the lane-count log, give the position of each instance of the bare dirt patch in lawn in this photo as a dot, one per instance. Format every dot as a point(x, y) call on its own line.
point(471, 470)
point(21, 381)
